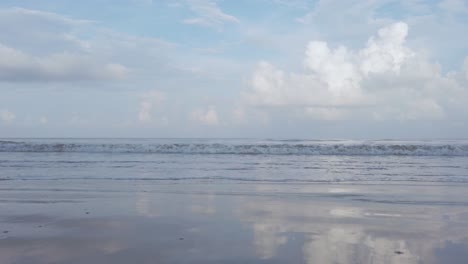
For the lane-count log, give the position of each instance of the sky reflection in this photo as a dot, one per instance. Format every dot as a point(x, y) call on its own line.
point(184, 225)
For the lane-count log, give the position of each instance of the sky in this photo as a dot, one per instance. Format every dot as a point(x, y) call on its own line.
point(319, 69)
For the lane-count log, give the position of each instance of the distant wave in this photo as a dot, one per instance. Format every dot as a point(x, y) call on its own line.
point(290, 148)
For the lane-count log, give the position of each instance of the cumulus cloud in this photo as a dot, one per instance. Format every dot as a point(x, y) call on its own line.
point(386, 77)
point(7, 116)
point(148, 101)
point(16, 66)
point(208, 14)
point(386, 52)
point(208, 117)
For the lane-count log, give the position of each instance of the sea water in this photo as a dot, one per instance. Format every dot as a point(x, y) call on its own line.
point(235, 160)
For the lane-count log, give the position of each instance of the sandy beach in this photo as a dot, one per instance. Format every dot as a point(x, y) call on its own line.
point(233, 223)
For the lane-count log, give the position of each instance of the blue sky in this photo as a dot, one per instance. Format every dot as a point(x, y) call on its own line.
point(259, 68)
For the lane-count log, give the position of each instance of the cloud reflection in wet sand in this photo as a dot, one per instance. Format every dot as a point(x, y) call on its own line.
point(261, 225)
point(357, 232)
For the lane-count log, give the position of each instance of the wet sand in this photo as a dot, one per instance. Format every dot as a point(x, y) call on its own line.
point(177, 222)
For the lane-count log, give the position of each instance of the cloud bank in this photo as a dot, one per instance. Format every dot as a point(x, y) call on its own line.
point(16, 66)
point(59, 52)
point(384, 80)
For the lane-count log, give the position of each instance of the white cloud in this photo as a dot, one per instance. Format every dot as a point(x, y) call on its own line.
point(386, 77)
point(16, 66)
point(148, 101)
point(20, 13)
point(208, 117)
point(42, 33)
point(49, 47)
point(335, 69)
point(7, 116)
point(387, 51)
point(208, 14)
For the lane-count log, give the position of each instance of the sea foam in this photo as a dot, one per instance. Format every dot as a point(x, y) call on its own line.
point(265, 148)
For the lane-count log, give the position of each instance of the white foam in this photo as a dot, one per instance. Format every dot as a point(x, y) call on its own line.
point(316, 148)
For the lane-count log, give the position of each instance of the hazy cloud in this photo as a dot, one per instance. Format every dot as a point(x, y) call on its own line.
point(454, 6)
point(465, 67)
point(7, 116)
point(208, 13)
point(148, 101)
point(16, 66)
point(325, 113)
point(47, 47)
point(43, 120)
point(207, 117)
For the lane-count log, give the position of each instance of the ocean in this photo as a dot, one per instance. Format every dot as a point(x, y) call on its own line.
point(233, 201)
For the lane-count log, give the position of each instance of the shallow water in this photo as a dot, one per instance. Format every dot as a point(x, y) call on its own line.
point(74, 205)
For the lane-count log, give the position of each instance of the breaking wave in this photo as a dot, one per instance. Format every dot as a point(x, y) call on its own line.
point(284, 148)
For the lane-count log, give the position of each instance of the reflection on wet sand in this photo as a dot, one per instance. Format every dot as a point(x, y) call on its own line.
point(241, 224)
point(337, 232)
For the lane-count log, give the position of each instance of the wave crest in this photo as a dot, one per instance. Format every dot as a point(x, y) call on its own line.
point(370, 149)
